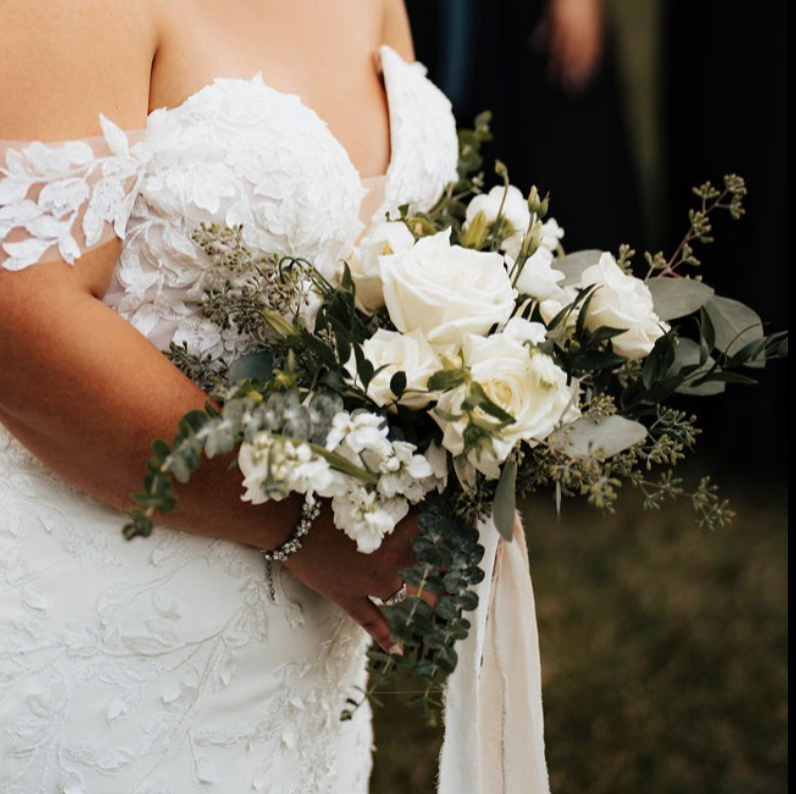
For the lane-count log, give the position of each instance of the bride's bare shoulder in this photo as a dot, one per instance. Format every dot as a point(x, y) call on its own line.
point(64, 62)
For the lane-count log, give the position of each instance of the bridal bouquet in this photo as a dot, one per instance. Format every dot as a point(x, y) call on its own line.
point(459, 359)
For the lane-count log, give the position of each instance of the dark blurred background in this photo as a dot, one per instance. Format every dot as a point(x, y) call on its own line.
point(664, 647)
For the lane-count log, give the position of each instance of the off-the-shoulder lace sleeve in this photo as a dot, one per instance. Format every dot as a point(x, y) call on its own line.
point(58, 200)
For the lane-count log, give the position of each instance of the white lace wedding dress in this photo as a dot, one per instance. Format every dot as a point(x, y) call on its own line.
point(167, 665)
point(164, 665)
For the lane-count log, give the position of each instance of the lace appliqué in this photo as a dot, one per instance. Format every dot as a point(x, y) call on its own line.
point(425, 149)
point(68, 196)
point(142, 667)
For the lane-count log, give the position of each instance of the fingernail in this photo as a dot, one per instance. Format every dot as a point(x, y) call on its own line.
point(397, 649)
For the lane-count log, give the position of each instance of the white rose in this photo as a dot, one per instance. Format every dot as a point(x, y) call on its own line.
point(552, 234)
point(515, 213)
point(538, 279)
point(383, 239)
point(396, 352)
point(446, 291)
point(622, 301)
point(524, 382)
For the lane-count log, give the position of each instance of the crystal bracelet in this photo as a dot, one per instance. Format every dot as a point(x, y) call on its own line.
point(309, 512)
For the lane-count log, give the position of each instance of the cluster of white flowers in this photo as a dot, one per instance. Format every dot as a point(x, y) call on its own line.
point(445, 300)
point(367, 507)
point(366, 513)
point(453, 308)
point(620, 300)
point(274, 466)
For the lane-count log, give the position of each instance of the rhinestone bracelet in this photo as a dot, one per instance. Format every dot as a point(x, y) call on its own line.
point(309, 512)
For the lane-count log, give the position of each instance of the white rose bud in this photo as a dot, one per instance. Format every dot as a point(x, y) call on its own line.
point(524, 382)
point(384, 239)
point(622, 301)
point(515, 213)
point(446, 291)
point(396, 352)
point(539, 279)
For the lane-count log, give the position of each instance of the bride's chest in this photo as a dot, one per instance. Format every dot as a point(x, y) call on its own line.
point(241, 152)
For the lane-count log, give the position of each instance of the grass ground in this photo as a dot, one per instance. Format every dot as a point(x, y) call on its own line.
point(664, 650)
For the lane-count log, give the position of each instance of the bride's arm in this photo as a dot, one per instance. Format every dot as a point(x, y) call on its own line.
point(395, 29)
point(78, 385)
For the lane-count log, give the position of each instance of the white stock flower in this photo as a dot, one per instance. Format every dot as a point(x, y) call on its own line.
point(403, 473)
point(515, 212)
point(539, 279)
point(446, 291)
point(383, 240)
point(552, 234)
point(366, 518)
point(622, 301)
point(353, 434)
point(397, 352)
point(273, 468)
point(522, 381)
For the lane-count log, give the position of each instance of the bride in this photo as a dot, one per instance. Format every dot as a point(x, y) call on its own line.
point(175, 664)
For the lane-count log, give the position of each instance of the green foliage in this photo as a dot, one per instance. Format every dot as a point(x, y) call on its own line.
point(448, 557)
point(203, 370)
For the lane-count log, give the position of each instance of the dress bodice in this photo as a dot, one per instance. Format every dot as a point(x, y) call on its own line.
point(235, 152)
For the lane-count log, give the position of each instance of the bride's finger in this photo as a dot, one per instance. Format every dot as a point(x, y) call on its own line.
point(365, 612)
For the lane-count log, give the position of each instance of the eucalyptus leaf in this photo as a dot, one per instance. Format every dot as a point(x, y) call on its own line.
point(505, 502)
point(678, 297)
point(605, 437)
point(572, 265)
point(254, 366)
point(735, 324)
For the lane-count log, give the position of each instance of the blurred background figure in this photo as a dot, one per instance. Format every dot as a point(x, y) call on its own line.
point(665, 648)
point(546, 69)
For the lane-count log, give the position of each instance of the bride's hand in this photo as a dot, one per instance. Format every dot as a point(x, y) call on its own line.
point(330, 564)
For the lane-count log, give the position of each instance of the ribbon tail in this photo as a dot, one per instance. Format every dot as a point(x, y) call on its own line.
point(494, 725)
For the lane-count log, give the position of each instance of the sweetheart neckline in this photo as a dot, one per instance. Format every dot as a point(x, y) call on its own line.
point(364, 180)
